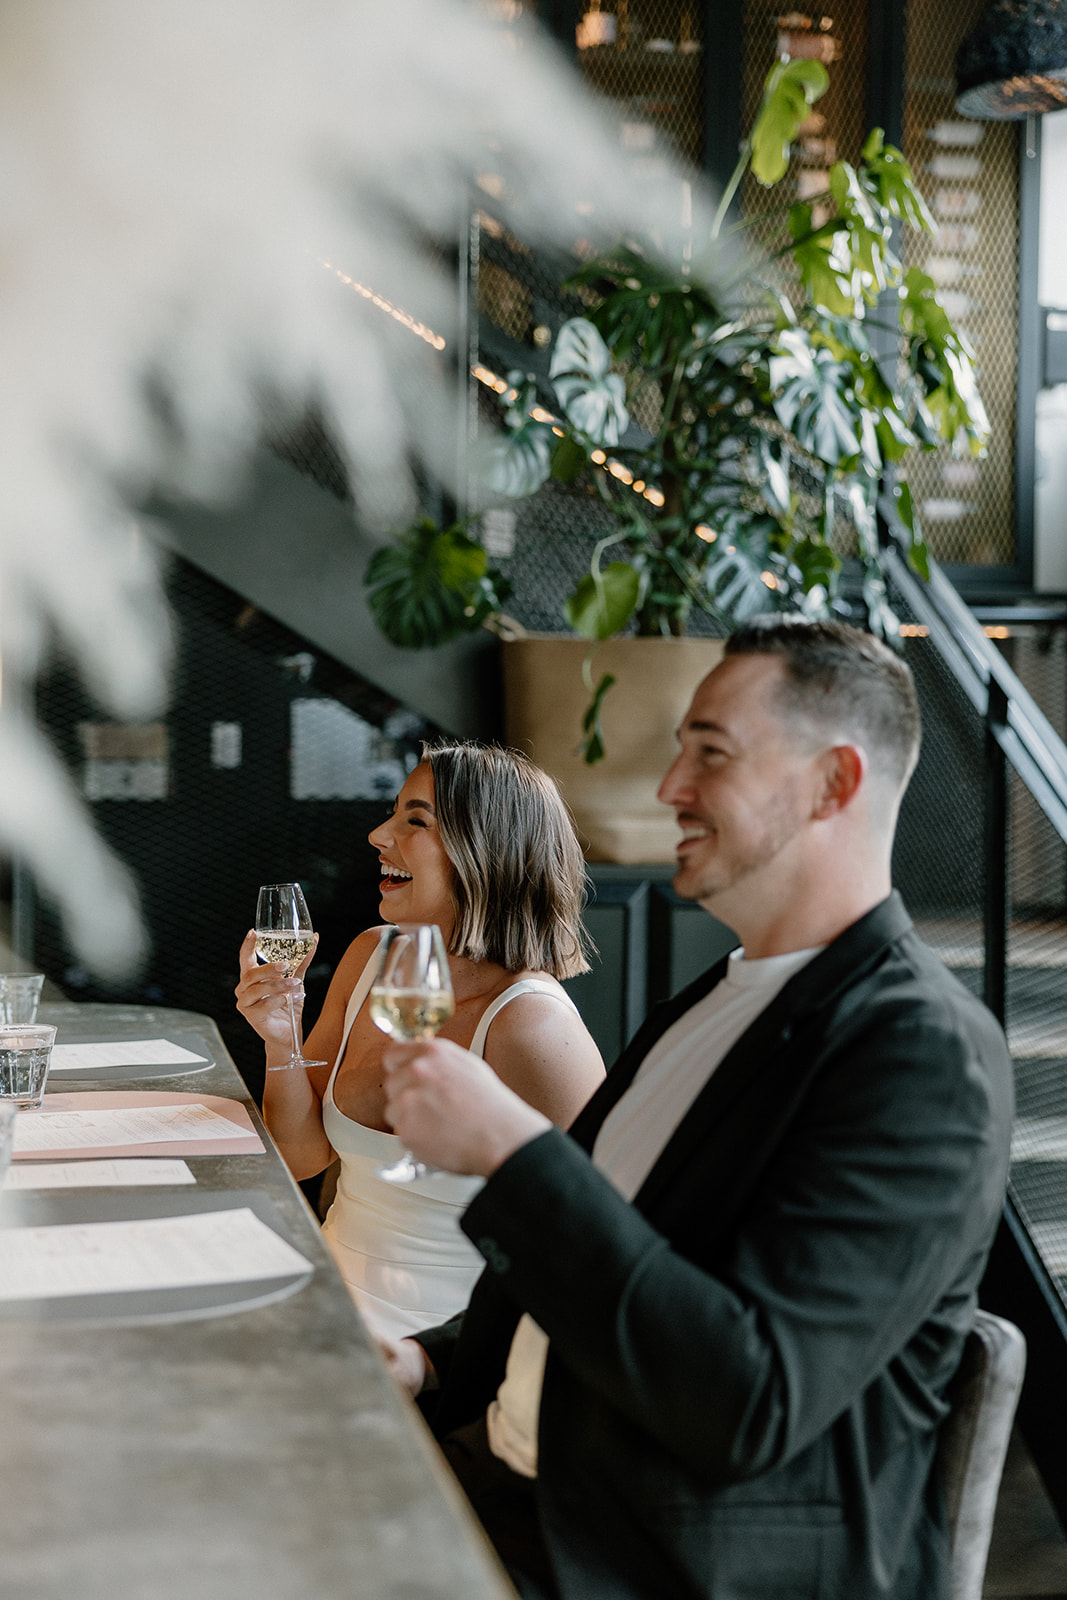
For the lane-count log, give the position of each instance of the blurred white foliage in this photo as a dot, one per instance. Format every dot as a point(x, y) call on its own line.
point(171, 178)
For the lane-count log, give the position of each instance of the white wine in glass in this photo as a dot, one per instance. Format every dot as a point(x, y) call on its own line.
point(284, 936)
point(409, 999)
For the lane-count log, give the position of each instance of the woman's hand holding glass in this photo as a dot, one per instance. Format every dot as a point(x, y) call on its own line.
point(274, 958)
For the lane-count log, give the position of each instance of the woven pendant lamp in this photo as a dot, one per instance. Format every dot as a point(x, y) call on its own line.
point(1013, 63)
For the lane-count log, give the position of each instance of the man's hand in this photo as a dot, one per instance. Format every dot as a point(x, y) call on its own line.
point(409, 1366)
point(452, 1110)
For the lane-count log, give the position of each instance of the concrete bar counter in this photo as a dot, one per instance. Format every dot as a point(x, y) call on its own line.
point(256, 1454)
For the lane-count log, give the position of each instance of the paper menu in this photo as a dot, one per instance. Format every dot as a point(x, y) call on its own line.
point(150, 1253)
point(104, 1129)
point(140, 1172)
point(121, 1053)
point(236, 1142)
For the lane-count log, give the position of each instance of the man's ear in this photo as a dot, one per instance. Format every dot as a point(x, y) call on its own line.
point(843, 769)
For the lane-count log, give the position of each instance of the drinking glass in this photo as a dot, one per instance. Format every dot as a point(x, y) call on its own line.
point(20, 994)
point(409, 999)
point(25, 1053)
point(284, 936)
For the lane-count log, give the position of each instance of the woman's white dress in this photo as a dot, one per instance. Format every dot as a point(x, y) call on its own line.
point(399, 1247)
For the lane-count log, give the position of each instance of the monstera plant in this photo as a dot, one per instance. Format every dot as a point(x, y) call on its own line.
point(736, 416)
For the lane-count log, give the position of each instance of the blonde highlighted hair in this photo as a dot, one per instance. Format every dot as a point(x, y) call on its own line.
point(518, 872)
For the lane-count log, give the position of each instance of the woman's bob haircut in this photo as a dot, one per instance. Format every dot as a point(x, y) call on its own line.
point(518, 873)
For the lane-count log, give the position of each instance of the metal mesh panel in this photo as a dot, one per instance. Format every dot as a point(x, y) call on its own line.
point(939, 865)
point(938, 859)
point(1037, 1027)
point(646, 59)
point(969, 172)
point(1038, 653)
point(272, 764)
point(1037, 966)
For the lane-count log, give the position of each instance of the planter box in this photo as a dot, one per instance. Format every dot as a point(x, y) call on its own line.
point(614, 803)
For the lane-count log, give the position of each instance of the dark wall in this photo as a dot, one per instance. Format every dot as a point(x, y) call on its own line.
point(201, 853)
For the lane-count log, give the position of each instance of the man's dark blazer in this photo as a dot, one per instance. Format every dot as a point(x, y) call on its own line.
point(747, 1364)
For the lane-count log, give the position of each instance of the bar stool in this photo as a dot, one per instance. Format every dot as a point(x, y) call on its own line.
point(974, 1440)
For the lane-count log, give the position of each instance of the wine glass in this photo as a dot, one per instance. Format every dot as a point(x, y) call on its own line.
point(409, 999)
point(284, 935)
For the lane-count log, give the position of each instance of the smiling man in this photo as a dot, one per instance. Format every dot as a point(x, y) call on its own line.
point(709, 1354)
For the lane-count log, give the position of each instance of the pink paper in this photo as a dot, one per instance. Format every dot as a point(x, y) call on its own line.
point(118, 1099)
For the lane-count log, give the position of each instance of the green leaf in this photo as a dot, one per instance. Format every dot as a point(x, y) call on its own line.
point(894, 435)
point(791, 88)
point(650, 309)
point(817, 564)
point(890, 178)
point(597, 409)
point(774, 477)
point(917, 553)
point(859, 501)
point(905, 509)
point(579, 348)
point(851, 200)
point(924, 312)
point(812, 399)
point(826, 271)
point(593, 397)
point(592, 745)
point(733, 578)
point(519, 399)
point(882, 620)
point(873, 145)
point(568, 460)
point(430, 585)
point(919, 559)
point(518, 463)
point(951, 408)
point(604, 602)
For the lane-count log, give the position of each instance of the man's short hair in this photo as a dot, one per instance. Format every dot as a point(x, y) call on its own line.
point(845, 681)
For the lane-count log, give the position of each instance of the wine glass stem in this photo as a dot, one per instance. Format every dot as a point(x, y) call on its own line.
point(292, 1024)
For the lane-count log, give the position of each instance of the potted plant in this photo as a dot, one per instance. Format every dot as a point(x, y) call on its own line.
point(777, 400)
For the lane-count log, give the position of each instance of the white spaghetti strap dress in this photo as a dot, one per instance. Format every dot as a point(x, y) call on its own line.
point(399, 1247)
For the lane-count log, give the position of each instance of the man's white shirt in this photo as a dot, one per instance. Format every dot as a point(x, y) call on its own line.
point(633, 1135)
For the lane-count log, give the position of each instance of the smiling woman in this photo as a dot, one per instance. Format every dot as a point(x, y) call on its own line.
point(480, 843)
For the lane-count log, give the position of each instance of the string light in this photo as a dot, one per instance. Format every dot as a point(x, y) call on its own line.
point(913, 630)
point(427, 335)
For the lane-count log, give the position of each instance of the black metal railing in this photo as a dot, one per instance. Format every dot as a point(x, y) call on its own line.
point(982, 861)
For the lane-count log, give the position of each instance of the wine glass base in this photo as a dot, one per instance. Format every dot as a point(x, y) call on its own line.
point(294, 1063)
point(406, 1170)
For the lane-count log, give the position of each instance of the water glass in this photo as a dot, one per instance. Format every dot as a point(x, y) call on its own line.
point(20, 995)
point(25, 1051)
